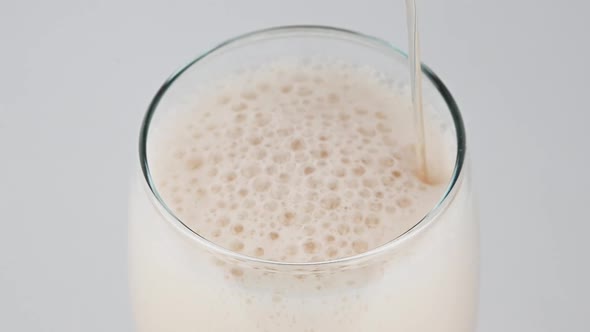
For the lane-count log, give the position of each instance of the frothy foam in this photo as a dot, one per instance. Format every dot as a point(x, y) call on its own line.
point(293, 163)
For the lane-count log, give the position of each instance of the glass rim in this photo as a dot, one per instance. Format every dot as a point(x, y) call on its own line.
point(417, 228)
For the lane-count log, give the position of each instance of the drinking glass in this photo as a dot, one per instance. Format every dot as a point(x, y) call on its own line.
point(424, 280)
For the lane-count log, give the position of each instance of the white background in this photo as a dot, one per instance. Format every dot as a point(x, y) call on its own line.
point(76, 77)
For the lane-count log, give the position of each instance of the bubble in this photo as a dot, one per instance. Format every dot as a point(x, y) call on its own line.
point(260, 154)
point(223, 221)
point(301, 157)
point(177, 199)
point(358, 230)
point(216, 157)
point(318, 80)
point(375, 206)
point(212, 172)
point(297, 145)
point(238, 229)
point(304, 91)
point(384, 128)
point(358, 170)
point(343, 229)
point(195, 163)
point(281, 157)
point(229, 177)
point(255, 140)
point(201, 192)
point(388, 141)
point(288, 218)
point(262, 119)
point(320, 154)
point(310, 247)
point(366, 131)
point(364, 193)
point(292, 250)
point(271, 206)
point(361, 111)
point(284, 177)
point(235, 132)
point(404, 202)
point(409, 184)
point(333, 98)
point(339, 172)
point(250, 171)
point(344, 117)
point(332, 185)
point(366, 160)
point(236, 246)
point(360, 246)
point(248, 204)
point(239, 107)
point(284, 132)
point(313, 183)
point(175, 189)
point(386, 162)
point(280, 192)
point(332, 252)
point(179, 154)
point(237, 272)
point(372, 221)
point(352, 183)
point(249, 95)
point(241, 117)
point(309, 230)
point(263, 86)
point(259, 252)
point(309, 207)
point(222, 100)
point(286, 88)
point(380, 115)
point(369, 182)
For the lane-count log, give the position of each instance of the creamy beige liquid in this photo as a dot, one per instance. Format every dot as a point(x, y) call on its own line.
point(292, 163)
point(300, 163)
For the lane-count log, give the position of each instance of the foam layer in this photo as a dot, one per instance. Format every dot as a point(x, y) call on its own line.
point(293, 163)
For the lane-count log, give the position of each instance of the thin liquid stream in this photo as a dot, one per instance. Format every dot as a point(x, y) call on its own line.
point(416, 86)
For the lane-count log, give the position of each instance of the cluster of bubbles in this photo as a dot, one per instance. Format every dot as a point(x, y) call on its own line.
point(294, 164)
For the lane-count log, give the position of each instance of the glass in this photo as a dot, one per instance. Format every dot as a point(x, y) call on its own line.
point(424, 280)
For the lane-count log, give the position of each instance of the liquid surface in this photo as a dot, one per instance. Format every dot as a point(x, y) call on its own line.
point(294, 163)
